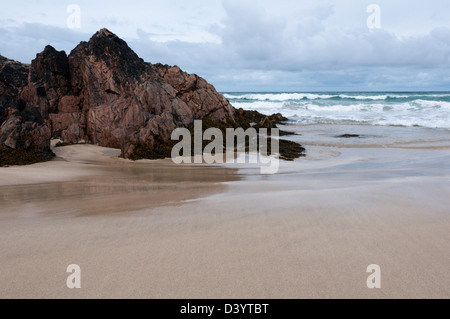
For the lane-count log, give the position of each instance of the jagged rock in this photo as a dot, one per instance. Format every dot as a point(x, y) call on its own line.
point(22, 127)
point(13, 77)
point(102, 93)
point(48, 81)
point(196, 92)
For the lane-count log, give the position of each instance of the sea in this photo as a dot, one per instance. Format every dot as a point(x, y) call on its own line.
point(408, 109)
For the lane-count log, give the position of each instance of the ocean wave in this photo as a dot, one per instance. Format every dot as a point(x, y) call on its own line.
point(392, 97)
point(277, 96)
point(427, 111)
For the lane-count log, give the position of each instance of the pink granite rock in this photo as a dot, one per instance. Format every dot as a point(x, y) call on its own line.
point(102, 93)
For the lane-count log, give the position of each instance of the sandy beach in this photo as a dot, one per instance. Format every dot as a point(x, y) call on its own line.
point(153, 229)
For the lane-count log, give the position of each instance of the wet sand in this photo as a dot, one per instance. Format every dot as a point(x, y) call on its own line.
point(152, 229)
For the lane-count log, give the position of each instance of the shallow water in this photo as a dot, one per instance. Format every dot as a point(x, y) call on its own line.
point(370, 136)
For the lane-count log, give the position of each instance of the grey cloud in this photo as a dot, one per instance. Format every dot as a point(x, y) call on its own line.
point(260, 50)
point(251, 32)
point(259, 40)
point(23, 42)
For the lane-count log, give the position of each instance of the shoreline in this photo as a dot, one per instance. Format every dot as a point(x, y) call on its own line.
point(309, 231)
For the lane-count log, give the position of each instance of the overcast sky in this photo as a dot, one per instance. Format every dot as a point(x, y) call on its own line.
point(238, 45)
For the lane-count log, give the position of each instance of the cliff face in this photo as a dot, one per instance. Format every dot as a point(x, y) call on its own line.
point(102, 93)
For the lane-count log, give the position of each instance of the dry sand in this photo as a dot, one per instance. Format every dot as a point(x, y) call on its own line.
point(156, 230)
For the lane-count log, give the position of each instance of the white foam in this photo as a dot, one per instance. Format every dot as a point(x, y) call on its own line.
point(318, 108)
point(317, 96)
point(278, 96)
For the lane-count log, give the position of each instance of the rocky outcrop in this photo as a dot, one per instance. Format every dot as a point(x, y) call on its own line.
point(195, 92)
point(102, 93)
point(22, 126)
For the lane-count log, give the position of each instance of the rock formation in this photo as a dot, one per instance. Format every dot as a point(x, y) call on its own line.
point(102, 93)
point(22, 126)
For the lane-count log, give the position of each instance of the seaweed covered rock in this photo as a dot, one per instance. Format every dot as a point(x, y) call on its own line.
point(246, 118)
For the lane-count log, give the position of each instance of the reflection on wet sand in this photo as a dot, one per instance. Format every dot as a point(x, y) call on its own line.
point(309, 231)
point(116, 186)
